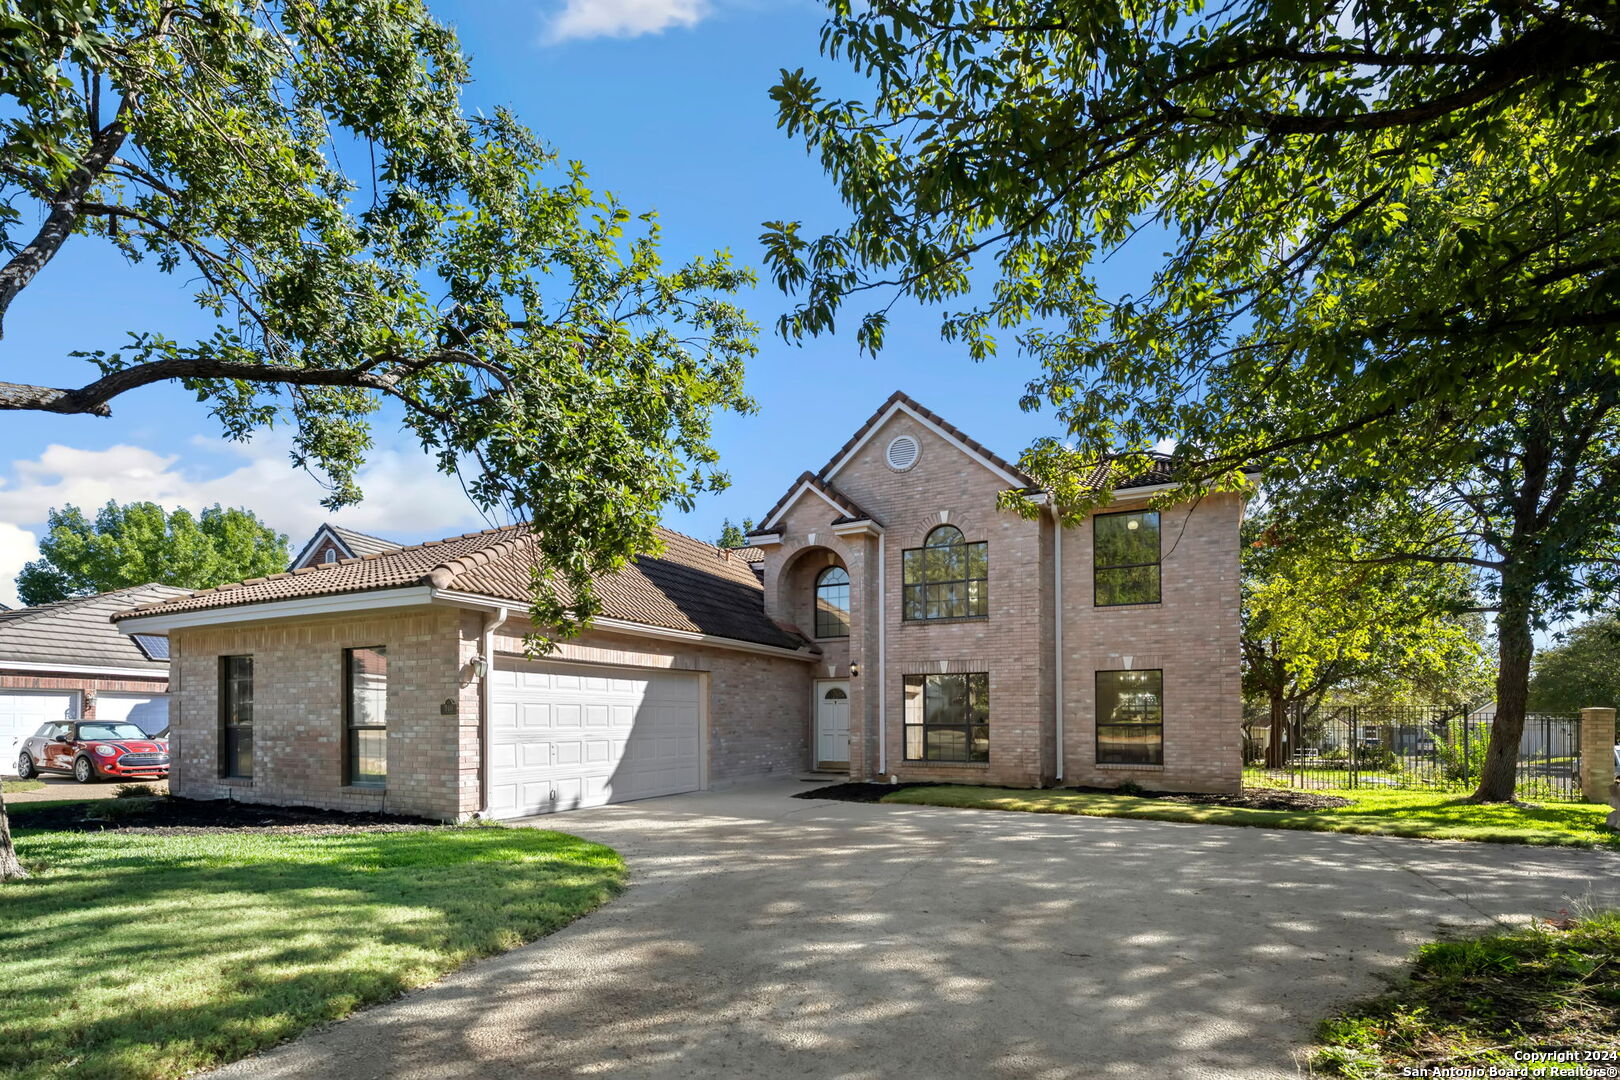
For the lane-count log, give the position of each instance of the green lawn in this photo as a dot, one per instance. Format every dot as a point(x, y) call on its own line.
point(137, 956)
point(9, 786)
point(1474, 1003)
point(1437, 816)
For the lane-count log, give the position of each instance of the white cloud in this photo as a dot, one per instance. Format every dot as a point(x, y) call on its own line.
point(406, 497)
point(16, 547)
point(623, 18)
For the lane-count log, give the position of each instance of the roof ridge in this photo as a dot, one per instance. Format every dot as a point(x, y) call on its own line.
point(446, 572)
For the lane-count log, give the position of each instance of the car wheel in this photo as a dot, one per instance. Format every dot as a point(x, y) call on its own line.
point(83, 771)
point(25, 767)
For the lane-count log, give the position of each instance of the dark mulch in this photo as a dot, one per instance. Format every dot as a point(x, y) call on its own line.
point(181, 817)
point(856, 791)
point(1252, 799)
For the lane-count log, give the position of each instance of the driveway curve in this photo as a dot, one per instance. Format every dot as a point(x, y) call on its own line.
point(766, 936)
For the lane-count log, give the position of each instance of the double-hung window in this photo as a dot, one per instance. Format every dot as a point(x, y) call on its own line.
point(948, 717)
point(1127, 558)
point(236, 717)
point(1130, 717)
point(946, 578)
point(365, 714)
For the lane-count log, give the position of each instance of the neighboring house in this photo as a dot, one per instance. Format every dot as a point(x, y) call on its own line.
point(888, 620)
point(67, 659)
point(332, 543)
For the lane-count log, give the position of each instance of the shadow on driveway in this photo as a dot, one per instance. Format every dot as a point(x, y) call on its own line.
point(767, 936)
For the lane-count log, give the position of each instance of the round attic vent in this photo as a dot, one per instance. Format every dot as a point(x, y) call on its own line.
point(902, 453)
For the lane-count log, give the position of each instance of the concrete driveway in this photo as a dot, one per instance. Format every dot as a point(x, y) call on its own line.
point(774, 937)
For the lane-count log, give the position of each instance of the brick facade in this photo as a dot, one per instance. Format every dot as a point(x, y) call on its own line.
point(87, 686)
point(1192, 635)
point(757, 707)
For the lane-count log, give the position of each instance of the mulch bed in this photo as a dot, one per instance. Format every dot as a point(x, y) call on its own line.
point(1252, 799)
point(181, 817)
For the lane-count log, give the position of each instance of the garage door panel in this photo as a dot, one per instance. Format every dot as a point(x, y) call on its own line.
point(21, 714)
point(612, 735)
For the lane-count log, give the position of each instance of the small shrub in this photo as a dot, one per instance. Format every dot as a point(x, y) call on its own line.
point(1461, 759)
point(1128, 787)
point(135, 791)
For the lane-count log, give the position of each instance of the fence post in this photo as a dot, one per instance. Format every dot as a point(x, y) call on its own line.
point(1597, 754)
point(1468, 759)
point(1355, 746)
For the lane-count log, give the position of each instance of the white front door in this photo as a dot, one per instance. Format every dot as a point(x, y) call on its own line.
point(832, 724)
point(564, 736)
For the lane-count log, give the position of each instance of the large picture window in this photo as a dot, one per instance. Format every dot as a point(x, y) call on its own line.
point(832, 602)
point(1127, 558)
point(948, 717)
point(946, 578)
point(236, 717)
point(366, 714)
point(1130, 717)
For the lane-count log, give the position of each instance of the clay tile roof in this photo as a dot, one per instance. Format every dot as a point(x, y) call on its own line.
point(923, 410)
point(852, 512)
point(1106, 474)
point(690, 585)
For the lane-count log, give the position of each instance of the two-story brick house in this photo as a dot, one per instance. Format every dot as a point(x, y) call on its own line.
point(970, 644)
point(888, 619)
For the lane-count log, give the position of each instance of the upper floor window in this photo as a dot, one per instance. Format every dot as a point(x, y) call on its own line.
point(832, 602)
point(1127, 558)
point(946, 578)
point(330, 556)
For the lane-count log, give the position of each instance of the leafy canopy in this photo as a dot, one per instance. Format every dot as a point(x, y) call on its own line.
point(360, 237)
point(1581, 671)
point(1012, 146)
point(139, 543)
point(1321, 619)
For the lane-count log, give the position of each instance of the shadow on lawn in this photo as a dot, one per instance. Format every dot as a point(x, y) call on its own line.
point(142, 955)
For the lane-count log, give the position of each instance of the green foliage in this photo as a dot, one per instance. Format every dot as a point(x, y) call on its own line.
point(1319, 619)
point(734, 536)
point(359, 237)
point(139, 543)
point(1477, 1002)
point(1390, 237)
point(1581, 671)
point(1461, 756)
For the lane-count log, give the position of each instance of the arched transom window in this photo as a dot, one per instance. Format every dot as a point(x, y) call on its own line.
point(947, 578)
point(832, 602)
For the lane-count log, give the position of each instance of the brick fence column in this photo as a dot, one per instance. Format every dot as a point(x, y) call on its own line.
point(1597, 754)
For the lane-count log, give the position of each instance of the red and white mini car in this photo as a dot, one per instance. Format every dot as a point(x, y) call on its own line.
point(92, 749)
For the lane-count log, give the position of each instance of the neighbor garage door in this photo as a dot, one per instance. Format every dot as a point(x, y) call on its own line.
point(21, 713)
point(564, 736)
point(149, 712)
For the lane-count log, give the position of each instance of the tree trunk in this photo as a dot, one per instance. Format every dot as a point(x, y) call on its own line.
point(1514, 647)
point(1276, 756)
point(10, 868)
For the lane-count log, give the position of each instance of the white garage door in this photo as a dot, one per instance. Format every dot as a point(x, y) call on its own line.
point(149, 712)
point(564, 736)
point(21, 713)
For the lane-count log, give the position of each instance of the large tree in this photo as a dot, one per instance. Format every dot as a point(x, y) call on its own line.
point(141, 542)
point(1320, 620)
point(1580, 671)
point(1392, 276)
point(359, 237)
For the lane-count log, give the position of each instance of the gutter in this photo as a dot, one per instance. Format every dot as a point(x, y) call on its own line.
point(883, 666)
point(486, 694)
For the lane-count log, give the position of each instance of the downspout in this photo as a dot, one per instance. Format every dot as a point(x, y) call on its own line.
point(1057, 634)
point(486, 695)
point(883, 671)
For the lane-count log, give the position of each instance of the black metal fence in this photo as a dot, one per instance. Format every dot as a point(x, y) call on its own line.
point(1413, 747)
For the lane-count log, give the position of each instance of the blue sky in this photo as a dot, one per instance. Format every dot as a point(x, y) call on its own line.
point(666, 103)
